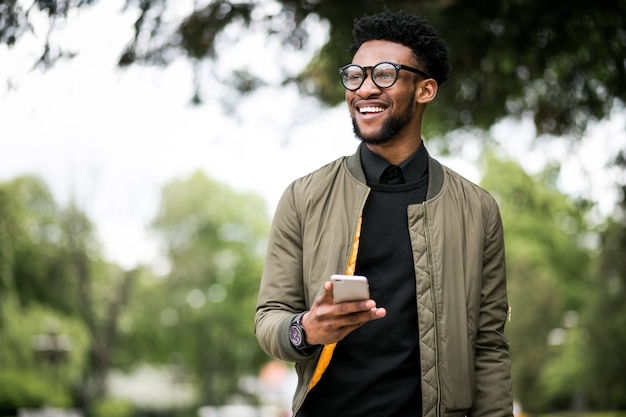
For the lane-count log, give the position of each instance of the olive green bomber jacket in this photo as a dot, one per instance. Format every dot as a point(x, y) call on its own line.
point(458, 253)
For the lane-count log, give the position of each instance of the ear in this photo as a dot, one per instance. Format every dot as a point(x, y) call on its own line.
point(426, 91)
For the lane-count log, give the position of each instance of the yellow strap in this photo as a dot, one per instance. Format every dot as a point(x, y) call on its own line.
point(327, 351)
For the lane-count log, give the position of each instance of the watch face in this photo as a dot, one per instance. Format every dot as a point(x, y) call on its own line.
point(295, 335)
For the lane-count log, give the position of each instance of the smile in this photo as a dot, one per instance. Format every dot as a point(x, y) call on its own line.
point(371, 109)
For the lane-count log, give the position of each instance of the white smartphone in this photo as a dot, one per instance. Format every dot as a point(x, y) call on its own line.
point(350, 288)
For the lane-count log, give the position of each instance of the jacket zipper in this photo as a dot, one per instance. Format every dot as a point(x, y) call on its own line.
point(434, 300)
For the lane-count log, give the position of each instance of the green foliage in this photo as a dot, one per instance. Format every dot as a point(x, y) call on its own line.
point(562, 63)
point(38, 241)
point(51, 266)
point(29, 377)
point(22, 389)
point(568, 328)
point(199, 317)
point(548, 269)
point(562, 379)
point(27, 212)
point(112, 408)
point(23, 324)
point(605, 321)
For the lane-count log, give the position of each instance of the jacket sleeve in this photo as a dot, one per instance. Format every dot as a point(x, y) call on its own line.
point(492, 361)
point(281, 293)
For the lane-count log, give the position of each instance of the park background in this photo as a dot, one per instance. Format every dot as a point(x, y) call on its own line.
point(144, 146)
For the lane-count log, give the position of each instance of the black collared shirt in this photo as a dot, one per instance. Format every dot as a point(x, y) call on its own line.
point(414, 170)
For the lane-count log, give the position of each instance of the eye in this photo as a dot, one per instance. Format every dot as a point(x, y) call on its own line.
point(385, 75)
point(354, 78)
point(354, 75)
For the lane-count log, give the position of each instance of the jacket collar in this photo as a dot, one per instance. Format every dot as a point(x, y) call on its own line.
point(435, 172)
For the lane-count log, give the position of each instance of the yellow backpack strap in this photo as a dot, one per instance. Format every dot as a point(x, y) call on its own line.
point(327, 351)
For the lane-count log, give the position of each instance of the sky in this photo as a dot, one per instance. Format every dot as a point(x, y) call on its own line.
point(109, 139)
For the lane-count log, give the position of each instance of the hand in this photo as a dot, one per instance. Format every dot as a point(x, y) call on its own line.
point(327, 322)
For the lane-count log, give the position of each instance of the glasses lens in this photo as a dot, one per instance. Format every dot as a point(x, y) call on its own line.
point(352, 77)
point(384, 74)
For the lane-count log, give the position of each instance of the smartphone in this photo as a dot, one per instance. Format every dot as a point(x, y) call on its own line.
point(350, 288)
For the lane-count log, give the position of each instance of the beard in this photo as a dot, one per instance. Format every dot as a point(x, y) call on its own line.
point(391, 127)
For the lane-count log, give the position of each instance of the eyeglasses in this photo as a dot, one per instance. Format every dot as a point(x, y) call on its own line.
point(384, 74)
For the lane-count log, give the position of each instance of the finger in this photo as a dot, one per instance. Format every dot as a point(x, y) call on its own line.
point(327, 296)
point(328, 288)
point(351, 307)
point(358, 319)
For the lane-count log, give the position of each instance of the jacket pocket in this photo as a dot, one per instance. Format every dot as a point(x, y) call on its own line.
point(458, 382)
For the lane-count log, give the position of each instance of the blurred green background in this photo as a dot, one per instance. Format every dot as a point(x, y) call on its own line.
point(79, 331)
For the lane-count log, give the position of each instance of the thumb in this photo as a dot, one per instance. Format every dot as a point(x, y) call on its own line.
point(328, 290)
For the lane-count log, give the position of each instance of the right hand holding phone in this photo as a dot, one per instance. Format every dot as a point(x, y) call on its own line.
point(327, 322)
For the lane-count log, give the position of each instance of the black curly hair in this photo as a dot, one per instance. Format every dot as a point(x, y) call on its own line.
point(409, 30)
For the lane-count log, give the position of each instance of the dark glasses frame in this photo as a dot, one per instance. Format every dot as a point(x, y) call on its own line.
point(343, 72)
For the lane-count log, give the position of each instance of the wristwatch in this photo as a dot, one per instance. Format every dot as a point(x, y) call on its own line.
point(297, 335)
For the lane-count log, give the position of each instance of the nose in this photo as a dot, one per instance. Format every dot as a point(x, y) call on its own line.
point(368, 87)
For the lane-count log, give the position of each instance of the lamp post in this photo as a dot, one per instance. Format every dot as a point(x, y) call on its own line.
point(51, 347)
point(51, 350)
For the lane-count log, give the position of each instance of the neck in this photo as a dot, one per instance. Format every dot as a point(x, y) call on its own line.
point(395, 153)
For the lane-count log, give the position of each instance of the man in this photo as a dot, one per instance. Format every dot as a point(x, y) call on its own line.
point(430, 340)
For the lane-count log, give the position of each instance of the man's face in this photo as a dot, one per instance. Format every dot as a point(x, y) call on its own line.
point(381, 114)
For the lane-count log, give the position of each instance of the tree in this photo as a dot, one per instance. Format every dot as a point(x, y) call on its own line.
point(36, 293)
point(33, 374)
point(50, 260)
point(604, 323)
point(204, 306)
point(560, 62)
point(50, 266)
point(548, 269)
point(31, 246)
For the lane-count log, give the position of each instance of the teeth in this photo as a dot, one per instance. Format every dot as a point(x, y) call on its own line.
point(371, 109)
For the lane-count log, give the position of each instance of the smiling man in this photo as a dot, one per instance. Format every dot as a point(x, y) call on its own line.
point(430, 342)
